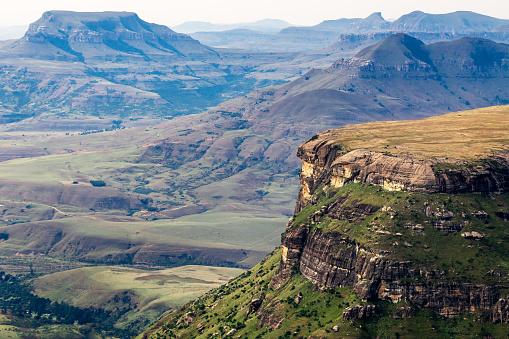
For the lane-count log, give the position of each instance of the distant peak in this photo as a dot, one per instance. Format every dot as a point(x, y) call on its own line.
point(57, 22)
point(396, 49)
point(416, 13)
point(86, 15)
point(375, 15)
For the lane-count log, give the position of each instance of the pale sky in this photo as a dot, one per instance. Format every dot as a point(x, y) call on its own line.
point(297, 12)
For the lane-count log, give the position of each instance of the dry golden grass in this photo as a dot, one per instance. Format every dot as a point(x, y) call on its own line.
point(460, 135)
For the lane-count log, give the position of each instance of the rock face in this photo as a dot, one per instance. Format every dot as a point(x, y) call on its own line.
point(331, 259)
point(359, 312)
point(323, 161)
point(190, 317)
point(254, 305)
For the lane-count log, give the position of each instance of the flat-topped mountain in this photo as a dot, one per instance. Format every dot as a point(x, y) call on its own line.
point(114, 65)
point(79, 35)
point(61, 22)
point(443, 154)
point(374, 250)
point(456, 22)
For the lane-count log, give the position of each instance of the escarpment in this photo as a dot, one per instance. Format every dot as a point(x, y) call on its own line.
point(400, 226)
point(324, 161)
point(401, 229)
point(332, 260)
point(97, 28)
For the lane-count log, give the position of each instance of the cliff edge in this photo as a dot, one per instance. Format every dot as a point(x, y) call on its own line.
point(372, 194)
point(400, 229)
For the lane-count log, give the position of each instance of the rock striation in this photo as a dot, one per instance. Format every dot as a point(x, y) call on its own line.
point(330, 258)
point(97, 28)
point(325, 161)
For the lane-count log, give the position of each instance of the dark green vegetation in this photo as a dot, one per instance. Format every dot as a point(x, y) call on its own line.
point(135, 298)
point(37, 315)
point(100, 302)
point(430, 241)
point(316, 314)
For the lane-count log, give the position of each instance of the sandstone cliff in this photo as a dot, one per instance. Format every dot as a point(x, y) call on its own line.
point(400, 230)
point(326, 244)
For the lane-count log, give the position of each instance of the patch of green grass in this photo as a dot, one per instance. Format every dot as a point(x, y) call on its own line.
point(458, 257)
point(315, 315)
point(460, 135)
point(145, 295)
point(22, 328)
point(247, 233)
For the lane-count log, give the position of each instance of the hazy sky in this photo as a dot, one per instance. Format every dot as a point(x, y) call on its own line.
point(299, 12)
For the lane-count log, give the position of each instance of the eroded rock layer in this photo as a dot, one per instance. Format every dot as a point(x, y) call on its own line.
point(324, 161)
point(330, 258)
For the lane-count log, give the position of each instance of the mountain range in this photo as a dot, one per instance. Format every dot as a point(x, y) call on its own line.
point(348, 36)
point(97, 68)
point(265, 25)
point(214, 188)
point(115, 65)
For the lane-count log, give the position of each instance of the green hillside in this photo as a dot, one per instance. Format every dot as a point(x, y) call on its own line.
point(360, 261)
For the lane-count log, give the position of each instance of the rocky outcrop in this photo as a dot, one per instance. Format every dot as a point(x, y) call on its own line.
point(359, 312)
point(189, 318)
point(292, 244)
point(254, 305)
point(500, 312)
point(405, 312)
point(330, 258)
point(333, 260)
point(271, 320)
point(326, 162)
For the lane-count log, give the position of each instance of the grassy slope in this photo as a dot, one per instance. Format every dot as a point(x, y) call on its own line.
point(249, 231)
point(225, 308)
point(233, 207)
point(149, 293)
point(319, 311)
point(15, 328)
point(468, 260)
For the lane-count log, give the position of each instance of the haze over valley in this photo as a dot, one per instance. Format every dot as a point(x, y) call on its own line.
point(141, 166)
